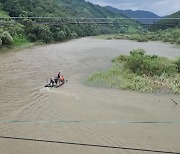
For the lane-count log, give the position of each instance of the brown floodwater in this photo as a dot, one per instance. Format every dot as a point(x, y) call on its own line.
point(75, 113)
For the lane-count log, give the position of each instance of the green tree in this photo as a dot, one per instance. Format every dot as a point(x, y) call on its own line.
point(13, 7)
point(6, 38)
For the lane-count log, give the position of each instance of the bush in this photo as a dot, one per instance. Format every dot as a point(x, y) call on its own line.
point(6, 38)
point(140, 52)
point(59, 36)
point(39, 32)
point(74, 35)
point(142, 39)
point(177, 62)
point(140, 72)
point(135, 64)
point(20, 40)
point(178, 41)
point(0, 43)
point(121, 58)
point(140, 64)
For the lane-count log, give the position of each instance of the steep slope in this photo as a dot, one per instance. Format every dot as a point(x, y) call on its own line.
point(89, 10)
point(63, 26)
point(135, 14)
point(167, 23)
point(33, 8)
point(81, 8)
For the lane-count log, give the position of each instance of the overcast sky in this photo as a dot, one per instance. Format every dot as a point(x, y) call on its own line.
point(160, 7)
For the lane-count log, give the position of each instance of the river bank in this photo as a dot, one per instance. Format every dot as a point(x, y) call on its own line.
point(23, 44)
point(168, 35)
point(19, 45)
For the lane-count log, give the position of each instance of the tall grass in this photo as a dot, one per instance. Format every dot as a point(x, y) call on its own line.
point(20, 41)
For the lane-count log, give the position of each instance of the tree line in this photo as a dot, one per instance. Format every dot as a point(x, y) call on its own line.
point(52, 29)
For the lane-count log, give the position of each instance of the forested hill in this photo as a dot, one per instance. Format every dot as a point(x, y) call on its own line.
point(135, 14)
point(81, 8)
point(75, 8)
point(54, 29)
point(167, 23)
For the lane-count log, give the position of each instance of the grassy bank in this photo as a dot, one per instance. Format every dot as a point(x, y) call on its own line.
point(20, 42)
point(18, 45)
point(140, 72)
point(168, 35)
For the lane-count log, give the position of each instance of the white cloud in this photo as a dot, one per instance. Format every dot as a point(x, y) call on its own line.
point(160, 7)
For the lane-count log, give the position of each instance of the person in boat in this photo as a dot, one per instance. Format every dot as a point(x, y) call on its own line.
point(62, 79)
point(59, 75)
point(57, 78)
point(52, 81)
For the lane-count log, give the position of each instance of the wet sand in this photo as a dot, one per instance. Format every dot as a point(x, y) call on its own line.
point(75, 113)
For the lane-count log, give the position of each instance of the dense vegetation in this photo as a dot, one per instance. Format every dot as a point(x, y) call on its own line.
point(167, 23)
point(135, 14)
point(171, 35)
point(166, 30)
point(25, 29)
point(141, 72)
point(52, 29)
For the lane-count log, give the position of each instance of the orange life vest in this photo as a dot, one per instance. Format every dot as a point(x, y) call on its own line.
point(62, 78)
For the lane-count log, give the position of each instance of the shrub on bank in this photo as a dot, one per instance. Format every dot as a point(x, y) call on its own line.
point(168, 35)
point(140, 64)
point(142, 39)
point(141, 72)
point(6, 38)
point(177, 63)
point(20, 40)
point(178, 41)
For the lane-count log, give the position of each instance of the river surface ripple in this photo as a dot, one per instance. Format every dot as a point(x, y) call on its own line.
point(77, 113)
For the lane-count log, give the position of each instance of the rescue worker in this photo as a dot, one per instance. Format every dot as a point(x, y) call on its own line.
point(62, 78)
point(59, 74)
point(52, 81)
point(57, 78)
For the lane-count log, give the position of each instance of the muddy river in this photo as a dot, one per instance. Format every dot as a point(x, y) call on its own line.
point(75, 118)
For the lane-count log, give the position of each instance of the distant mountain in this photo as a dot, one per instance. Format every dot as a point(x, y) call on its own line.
point(135, 14)
point(85, 9)
point(82, 8)
point(167, 23)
